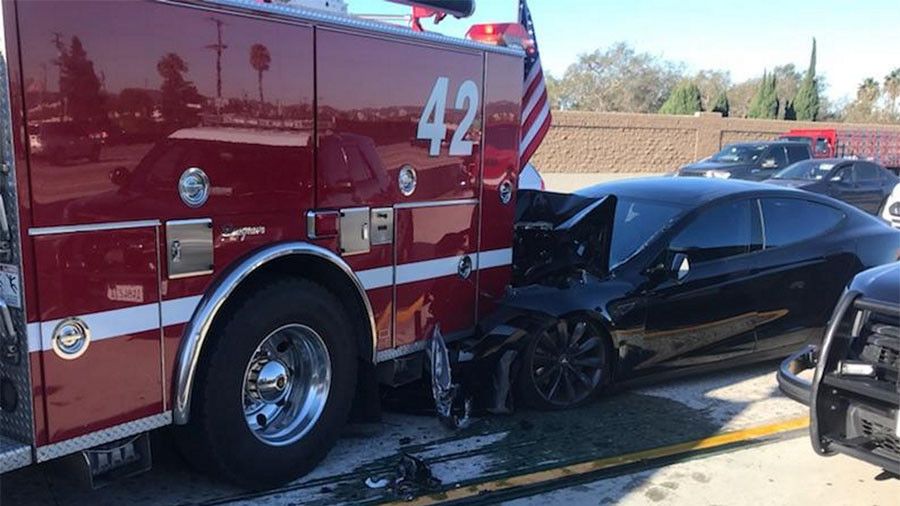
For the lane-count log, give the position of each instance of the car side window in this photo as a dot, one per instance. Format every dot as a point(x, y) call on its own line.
point(822, 146)
point(777, 153)
point(866, 171)
point(718, 232)
point(797, 153)
point(842, 174)
point(789, 221)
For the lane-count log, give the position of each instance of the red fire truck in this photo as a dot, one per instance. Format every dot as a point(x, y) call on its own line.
point(882, 146)
point(278, 205)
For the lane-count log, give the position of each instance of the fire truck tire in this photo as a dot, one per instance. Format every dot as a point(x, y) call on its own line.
point(274, 388)
point(565, 365)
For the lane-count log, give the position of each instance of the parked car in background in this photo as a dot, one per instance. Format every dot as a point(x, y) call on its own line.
point(660, 275)
point(754, 161)
point(890, 211)
point(854, 395)
point(530, 178)
point(64, 141)
point(861, 183)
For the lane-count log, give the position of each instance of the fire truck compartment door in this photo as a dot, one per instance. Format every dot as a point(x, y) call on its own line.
point(98, 295)
point(400, 131)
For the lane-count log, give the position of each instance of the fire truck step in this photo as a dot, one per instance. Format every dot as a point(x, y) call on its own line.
point(105, 464)
point(13, 455)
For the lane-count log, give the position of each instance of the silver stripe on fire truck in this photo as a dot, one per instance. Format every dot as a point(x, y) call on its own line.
point(118, 322)
point(376, 278)
point(436, 203)
point(177, 311)
point(100, 437)
point(131, 320)
point(430, 269)
point(93, 227)
point(493, 258)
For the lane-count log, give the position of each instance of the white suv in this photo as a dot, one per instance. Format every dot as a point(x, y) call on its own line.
point(891, 210)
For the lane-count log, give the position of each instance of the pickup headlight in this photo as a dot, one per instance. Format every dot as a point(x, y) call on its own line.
point(718, 174)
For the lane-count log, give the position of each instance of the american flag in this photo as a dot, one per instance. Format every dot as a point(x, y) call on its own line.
point(536, 106)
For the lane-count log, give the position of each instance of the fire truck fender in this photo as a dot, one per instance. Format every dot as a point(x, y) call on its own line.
point(216, 297)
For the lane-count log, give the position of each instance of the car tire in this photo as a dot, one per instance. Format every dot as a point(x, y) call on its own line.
point(565, 365)
point(254, 421)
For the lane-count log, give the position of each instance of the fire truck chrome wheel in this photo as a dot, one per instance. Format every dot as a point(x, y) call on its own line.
point(274, 385)
point(286, 385)
point(564, 365)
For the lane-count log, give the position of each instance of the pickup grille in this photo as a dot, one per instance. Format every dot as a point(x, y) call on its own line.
point(882, 350)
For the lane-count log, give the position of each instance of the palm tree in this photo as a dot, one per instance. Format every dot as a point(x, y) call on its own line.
point(868, 91)
point(260, 60)
point(892, 89)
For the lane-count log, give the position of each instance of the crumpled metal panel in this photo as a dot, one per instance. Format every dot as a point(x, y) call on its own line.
point(100, 437)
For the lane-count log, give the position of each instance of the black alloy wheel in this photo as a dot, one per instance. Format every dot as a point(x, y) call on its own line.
point(565, 365)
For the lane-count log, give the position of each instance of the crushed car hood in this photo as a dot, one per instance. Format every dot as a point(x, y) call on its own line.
point(559, 233)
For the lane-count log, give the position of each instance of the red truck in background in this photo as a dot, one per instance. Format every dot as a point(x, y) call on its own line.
point(882, 146)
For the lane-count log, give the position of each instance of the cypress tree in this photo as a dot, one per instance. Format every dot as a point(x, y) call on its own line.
point(685, 99)
point(721, 104)
point(806, 104)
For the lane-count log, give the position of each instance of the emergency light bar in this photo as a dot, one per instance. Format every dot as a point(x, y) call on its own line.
point(458, 8)
point(501, 34)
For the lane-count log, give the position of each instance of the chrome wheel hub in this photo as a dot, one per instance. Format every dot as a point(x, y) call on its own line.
point(286, 385)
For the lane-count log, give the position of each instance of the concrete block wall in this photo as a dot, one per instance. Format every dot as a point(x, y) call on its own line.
point(590, 142)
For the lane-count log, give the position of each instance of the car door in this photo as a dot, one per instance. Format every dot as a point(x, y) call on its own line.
point(842, 184)
point(709, 313)
point(774, 160)
point(870, 185)
point(799, 273)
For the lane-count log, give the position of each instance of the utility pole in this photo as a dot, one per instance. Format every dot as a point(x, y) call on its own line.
point(218, 47)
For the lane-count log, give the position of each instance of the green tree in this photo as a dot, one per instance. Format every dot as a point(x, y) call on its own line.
point(685, 99)
point(260, 60)
point(765, 103)
point(180, 98)
point(616, 79)
point(721, 104)
point(78, 82)
point(807, 103)
point(864, 109)
point(892, 91)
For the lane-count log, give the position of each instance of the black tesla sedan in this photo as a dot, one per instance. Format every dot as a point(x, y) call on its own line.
point(655, 276)
point(861, 183)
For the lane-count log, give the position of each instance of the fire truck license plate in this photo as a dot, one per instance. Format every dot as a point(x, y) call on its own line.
point(9, 285)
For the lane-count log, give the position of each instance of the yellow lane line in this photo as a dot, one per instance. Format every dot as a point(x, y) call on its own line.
point(548, 475)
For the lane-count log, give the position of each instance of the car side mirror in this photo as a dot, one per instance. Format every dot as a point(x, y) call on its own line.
point(119, 176)
point(680, 266)
point(769, 163)
point(837, 179)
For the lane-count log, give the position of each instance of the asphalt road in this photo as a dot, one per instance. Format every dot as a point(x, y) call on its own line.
point(670, 431)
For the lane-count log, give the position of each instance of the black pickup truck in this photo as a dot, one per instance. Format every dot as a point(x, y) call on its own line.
point(755, 161)
point(854, 395)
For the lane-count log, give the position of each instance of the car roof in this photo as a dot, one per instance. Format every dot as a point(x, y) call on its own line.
point(683, 191)
point(768, 143)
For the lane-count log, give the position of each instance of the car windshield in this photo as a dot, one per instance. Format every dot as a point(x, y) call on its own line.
point(811, 170)
point(636, 222)
point(739, 153)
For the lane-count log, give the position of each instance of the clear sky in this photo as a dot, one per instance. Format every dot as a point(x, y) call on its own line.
point(856, 39)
